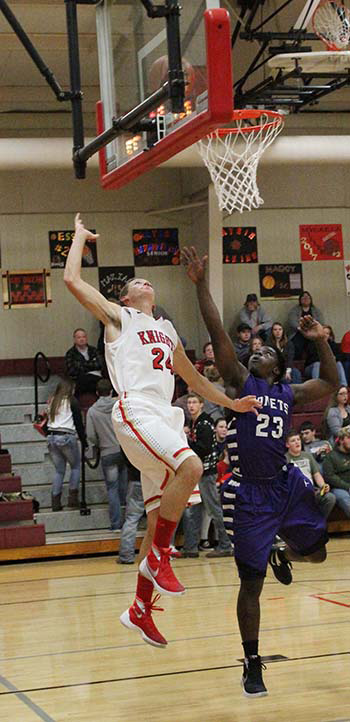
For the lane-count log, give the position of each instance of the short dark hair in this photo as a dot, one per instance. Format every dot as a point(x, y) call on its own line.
point(79, 329)
point(292, 432)
point(251, 297)
point(209, 343)
point(221, 418)
point(306, 425)
point(104, 387)
point(243, 327)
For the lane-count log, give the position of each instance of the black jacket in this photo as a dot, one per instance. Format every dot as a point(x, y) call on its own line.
point(76, 364)
point(202, 440)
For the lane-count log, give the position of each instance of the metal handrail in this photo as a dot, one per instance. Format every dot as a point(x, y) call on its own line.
point(38, 376)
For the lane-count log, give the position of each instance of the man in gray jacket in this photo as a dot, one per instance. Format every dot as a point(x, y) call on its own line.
point(255, 316)
point(100, 433)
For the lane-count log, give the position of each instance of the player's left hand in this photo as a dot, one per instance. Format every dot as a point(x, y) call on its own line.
point(246, 403)
point(311, 329)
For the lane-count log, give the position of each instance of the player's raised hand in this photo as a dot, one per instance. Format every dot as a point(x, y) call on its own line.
point(195, 266)
point(83, 232)
point(311, 329)
point(246, 403)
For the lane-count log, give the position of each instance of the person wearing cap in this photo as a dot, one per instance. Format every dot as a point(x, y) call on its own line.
point(255, 316)
point(242, 344)
point(336, 469)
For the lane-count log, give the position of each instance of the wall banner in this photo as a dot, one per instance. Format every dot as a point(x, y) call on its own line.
point(239, 245)
point(280, 280)
point(26, 289)
point(322, 242)
point(113, 278)
point(60, 243)
point(156, 246)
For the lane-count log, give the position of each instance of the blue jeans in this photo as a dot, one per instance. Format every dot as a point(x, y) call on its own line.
point(133, 514)
point(114, 472)
point(63, 448)
point(192, 518)
point(343, 500)
point(313, 372)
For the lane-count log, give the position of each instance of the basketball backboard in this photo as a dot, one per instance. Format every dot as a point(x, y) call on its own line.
point(133, 61)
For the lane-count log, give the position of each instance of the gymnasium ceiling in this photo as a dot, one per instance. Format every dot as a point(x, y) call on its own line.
point(29, 108)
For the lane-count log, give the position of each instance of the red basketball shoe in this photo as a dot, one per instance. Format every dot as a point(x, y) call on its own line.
point(156, 567)
point(139, 617)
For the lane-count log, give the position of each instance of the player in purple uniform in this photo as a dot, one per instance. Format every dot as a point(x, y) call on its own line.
point(265, 496)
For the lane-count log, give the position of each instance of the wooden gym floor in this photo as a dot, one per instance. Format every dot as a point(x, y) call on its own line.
point(65, 656)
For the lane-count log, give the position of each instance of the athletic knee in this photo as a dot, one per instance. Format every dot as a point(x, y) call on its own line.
point(192, 469)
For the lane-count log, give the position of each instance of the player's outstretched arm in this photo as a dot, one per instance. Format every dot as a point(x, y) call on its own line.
point(88, 296)
point(202, 386)
point(328, 380)
point(231, 370)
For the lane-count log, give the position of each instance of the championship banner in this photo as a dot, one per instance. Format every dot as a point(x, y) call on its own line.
point(347, 277)
point(60, 243)
point(322, 242)
point(113, 278)
point(156, 246)
point(239, 245)
point(26, 289)
point(280, 280)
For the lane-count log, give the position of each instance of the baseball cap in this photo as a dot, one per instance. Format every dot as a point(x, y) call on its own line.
point(251, 297)
point(243, 327)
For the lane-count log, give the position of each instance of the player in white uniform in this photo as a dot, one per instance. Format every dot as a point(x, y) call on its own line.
point(142, 355)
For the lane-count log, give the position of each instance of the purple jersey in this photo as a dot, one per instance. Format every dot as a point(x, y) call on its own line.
point(256, 444)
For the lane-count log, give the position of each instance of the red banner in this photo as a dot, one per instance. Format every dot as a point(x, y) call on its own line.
point(322, 242)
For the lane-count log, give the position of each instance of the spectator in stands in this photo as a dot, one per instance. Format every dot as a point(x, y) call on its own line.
point(255, 316)
point(324, 498)
point(278, 340)
point(305, 307)
point(100, 433)
point(133, 513)
point(312, 364)
point(336, 469)
point(202, 440)
point(220, 433)
point(208, 356)
point(337, 413)
point(83, 363)
point(241, 346)
point(65, 424)
point(318, 448)
point(211, 373)
point(345, 355)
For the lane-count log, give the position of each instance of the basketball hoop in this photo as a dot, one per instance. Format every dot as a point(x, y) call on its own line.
point(331, 22)
point(232, 156)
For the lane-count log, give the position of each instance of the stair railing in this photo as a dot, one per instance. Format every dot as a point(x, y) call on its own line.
point(38, 376)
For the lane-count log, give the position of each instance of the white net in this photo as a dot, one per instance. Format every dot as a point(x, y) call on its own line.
point(331, 22)
point(232, 156)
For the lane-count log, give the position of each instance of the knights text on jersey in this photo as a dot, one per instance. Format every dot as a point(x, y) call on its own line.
point(256, 444)
point(141, 359)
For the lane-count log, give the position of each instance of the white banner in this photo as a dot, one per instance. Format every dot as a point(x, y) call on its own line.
point(347, 277)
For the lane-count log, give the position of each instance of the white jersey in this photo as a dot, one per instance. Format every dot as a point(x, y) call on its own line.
point(141, 359)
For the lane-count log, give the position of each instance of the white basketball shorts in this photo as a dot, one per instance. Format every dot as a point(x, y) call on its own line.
point(150, 432)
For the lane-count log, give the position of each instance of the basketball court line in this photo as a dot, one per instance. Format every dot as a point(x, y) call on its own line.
point(180, 640)
point(278, 660)
point(23, 698)
point(194, 588)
